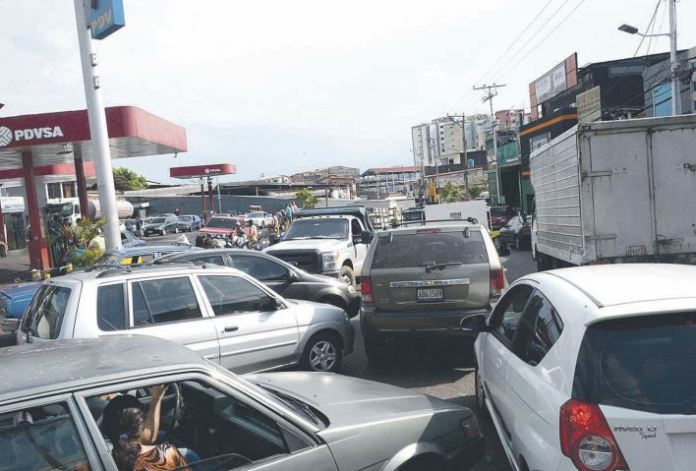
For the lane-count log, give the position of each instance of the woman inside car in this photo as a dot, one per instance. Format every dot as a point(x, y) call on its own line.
point(132, 434)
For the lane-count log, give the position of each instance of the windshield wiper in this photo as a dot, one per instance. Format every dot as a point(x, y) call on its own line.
point(441, 266)
point(296, 405)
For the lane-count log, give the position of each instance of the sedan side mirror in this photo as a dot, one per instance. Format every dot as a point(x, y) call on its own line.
point(474, 323)
point(293, 277)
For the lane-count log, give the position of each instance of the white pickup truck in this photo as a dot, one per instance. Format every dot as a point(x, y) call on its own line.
point(331, 241)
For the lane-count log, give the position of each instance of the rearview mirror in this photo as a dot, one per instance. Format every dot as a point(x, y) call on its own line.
point(474, 323)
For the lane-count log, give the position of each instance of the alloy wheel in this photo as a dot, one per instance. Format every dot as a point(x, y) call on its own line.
point(322, 356)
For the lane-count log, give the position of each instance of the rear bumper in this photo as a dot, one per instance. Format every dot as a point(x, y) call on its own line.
point(444, 323)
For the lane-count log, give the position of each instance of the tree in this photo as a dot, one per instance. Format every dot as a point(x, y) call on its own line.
point(306, 197)
point(475, 191)
point(128, 180)
point(451, 193)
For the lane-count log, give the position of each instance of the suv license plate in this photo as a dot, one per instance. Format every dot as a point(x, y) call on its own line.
point(430, 294)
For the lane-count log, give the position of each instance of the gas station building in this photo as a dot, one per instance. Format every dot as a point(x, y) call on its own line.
point(40, 149)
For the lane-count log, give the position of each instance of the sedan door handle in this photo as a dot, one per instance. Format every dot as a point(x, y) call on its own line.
point(231, 328)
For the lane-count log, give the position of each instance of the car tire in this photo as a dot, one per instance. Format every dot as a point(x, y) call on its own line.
point(423, 463)
point(347, 275)
point(323, 353)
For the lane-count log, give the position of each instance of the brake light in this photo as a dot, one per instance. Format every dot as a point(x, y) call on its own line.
point(587, 439)
point(497, 282)
point(366, 289)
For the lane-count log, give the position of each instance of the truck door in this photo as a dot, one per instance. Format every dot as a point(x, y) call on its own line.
point(674, 173)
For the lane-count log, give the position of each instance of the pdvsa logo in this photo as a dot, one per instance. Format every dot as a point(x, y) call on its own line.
point(7, 136)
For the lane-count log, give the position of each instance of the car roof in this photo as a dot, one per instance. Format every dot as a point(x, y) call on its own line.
point(128, 271)
point(618, 284)
point(41, 368)
point(147, 249)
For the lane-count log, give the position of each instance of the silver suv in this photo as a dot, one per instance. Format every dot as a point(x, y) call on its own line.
point(426, 279)
point(222, 313)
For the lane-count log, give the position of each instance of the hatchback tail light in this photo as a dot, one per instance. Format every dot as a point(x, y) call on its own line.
point(497, 282)
point(366, 289)
point(587, 439)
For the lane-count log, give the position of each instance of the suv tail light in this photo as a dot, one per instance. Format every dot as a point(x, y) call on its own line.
point(366, 289)
point(587, 439)
point(497, 282)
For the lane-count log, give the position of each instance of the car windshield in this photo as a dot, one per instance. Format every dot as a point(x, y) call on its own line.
point(157, 220)
point(44, 316)
point(640, 363)
point(186, 218)
point(222, 223)
point(255, 215)
point(429, 247)
point(328, 228)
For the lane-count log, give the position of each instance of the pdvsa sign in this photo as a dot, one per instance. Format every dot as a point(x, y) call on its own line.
point(7, 135)
point(104, 17)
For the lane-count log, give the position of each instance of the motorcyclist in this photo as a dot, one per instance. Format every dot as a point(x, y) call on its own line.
point(252, 233)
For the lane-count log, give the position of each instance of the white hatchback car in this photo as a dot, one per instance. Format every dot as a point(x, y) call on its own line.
point(593, 368)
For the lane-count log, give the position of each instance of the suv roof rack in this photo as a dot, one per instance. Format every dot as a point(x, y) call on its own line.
point(423, 222)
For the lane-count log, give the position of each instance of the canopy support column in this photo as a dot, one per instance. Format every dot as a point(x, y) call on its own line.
point(38, 252)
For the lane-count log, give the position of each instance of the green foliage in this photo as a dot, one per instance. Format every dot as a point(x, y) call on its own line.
point(128, 180)
point(475, 191)
point(451, 193)
point(78, 237)
point(306, 197)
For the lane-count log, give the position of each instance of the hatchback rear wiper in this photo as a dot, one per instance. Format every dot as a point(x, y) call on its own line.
point(440, 266)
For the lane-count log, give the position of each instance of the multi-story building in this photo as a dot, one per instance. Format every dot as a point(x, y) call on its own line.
point(422, 144)
point(381, 182)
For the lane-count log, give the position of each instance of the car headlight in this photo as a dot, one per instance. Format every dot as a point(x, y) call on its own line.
point(351, 289)
point(329, 261)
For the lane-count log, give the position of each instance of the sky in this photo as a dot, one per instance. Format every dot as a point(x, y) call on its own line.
point(281, 86)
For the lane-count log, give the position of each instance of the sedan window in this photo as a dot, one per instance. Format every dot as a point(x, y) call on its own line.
point(163, 301)
point(260, 268)
point(234, 295)
point(214, 259)
point(539, 329)
point(41, 438)
point(46, 311)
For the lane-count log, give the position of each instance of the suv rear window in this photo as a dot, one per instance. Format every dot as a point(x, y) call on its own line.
point(427, 247)
point(646, 364)
point(46, 311)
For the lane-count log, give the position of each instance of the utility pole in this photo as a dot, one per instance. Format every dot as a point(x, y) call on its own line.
point(491, 92)
point(462, 125)
point(674, 69)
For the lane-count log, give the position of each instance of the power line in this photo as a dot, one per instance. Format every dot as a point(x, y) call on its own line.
point(647, 29)
point(509, 49)
point(566, 18)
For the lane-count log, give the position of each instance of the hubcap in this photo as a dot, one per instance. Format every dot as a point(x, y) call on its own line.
point(347, 280)
point(322, 356)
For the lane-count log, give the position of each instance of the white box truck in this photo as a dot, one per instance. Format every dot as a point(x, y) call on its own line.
point(616, 191)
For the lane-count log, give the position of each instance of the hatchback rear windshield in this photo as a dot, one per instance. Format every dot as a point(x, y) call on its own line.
point(646, 364)
point(430, 248)
point(45, 313)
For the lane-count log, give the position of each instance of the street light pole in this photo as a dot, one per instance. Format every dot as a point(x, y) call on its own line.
point(673, 56)
point(98, 131)
point(674, 65)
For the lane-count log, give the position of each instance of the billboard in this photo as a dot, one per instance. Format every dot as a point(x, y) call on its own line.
point(198, 171)
point(105, 17)
point(589, 105)
point(562, 77)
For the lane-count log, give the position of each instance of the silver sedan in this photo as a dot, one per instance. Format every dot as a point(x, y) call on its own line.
point(222, 313)
point(211, 418)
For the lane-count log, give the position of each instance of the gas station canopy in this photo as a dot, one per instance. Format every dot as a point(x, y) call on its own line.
point(55, 145)
point(54, 139)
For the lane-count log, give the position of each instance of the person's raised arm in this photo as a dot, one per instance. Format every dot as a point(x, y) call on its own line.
point(152, 417)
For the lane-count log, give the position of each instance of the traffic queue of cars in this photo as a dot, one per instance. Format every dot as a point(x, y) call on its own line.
point(579, 369)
